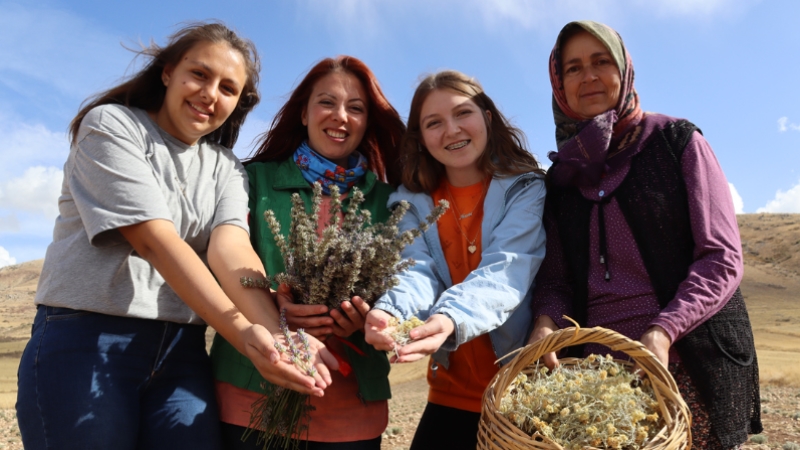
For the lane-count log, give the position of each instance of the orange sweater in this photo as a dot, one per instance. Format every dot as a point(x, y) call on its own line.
point(472, 365)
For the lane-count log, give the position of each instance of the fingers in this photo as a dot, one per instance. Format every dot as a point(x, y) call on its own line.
point(543, 327)
point(260, 350)
point(287, 378)
point(323, 360)
point(419, 349)
point(344, 325)
point(411, 357)
point(353, 318)
point(262, 343)
point(312, 318)
point(328, 358)
point(360, 306)
point(426, 338)
point(422, 347)
point(320, 333)
point(378, 340)
point(435, 325)
point(550, 360)
point(378, 319)
point(376, 323)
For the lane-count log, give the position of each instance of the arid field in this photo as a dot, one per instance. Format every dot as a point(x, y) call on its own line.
point(771, 287)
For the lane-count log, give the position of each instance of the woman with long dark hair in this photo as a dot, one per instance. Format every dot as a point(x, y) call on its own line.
point(151, 190)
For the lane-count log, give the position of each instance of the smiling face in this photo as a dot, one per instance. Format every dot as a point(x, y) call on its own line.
point(336, 116)
point(203, 89)
point(591, 78)
point(454, 130)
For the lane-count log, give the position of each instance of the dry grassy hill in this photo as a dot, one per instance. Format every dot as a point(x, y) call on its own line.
point(17, 289)
point(771, 286)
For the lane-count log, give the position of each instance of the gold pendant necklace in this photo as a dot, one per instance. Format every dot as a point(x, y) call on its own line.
point(471, 247)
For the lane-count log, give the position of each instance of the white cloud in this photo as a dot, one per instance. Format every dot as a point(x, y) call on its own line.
point(27, 145)
point(784, 202)
point(5, 258)
point(738, 203)
point(784, 125)
point(36, 191)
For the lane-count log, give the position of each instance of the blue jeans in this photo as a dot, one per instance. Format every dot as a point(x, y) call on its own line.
point(93, 381)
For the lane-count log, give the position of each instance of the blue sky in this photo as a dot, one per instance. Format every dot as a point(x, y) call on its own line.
point(730, 66)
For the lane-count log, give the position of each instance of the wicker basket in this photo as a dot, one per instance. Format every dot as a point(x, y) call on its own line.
point(496, 432)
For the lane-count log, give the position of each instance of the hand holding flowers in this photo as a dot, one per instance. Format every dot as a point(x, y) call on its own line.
point(426, 339)
point(339, 271)
point(421, 339)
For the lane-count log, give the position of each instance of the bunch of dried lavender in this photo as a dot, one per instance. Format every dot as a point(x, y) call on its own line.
point(282, 415)
point(351, 257)
point(596, 402)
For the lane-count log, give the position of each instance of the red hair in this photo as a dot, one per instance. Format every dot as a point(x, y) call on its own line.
point(384, 131)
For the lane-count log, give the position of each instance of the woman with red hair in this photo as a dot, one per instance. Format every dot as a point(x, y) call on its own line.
point(336, 128)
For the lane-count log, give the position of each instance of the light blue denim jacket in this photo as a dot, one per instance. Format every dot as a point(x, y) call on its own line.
point(495, 297)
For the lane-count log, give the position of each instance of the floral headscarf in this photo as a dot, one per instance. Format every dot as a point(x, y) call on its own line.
point(583, 143)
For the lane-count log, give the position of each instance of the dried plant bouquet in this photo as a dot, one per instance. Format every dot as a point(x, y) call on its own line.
point(595, 402)
point(350, 257)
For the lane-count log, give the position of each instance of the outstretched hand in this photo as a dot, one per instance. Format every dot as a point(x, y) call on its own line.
point(278, 370)
point(426, 339)
point(543, 327)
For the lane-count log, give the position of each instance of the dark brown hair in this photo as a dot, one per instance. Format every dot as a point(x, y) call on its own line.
point(505, 152)
point(381, 138)
point(146, 89)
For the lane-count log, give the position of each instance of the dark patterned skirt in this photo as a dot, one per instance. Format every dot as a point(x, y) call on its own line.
point(702, 437)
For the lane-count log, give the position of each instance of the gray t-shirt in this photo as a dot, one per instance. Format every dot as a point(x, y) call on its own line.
point(123, 170)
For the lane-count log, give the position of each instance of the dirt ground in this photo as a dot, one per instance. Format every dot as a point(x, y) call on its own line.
point(771, 286)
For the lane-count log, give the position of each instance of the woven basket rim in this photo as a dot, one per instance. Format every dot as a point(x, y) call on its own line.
point(494, 427)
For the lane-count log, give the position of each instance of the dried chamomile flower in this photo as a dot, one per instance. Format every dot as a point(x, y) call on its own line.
point(399, 330)
point(589, 403)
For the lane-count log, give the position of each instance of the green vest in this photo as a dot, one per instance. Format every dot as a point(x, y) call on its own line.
point(271, 187)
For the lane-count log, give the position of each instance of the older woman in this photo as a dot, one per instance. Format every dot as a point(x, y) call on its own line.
point(642, 236)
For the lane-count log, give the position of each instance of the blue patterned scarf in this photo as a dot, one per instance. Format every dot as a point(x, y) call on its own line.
point(315, 167)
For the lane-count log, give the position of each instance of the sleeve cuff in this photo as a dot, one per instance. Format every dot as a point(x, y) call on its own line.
point(672, 332)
